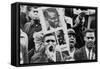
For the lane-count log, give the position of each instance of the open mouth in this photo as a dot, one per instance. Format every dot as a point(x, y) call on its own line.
point(51, 49)
point(71, 41)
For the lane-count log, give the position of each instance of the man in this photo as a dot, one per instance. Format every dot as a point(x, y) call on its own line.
point(88, 51)
point(72, 42)
point(79, 27)
point(47, 52)
point(23, 48)
point(23, 16)
point(52, 18)
point(32, 26)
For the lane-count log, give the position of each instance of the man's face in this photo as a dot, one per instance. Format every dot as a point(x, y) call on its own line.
point(89, 39)
point(50, 43)
point(50, 40)
point(33, 13)
point(53, 19)
point(72, 40)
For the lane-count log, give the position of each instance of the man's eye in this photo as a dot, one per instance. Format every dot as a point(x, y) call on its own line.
point(69, 36)
point(90, 37)
point(50, 41)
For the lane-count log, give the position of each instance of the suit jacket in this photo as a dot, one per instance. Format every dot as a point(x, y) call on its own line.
point(81, 54)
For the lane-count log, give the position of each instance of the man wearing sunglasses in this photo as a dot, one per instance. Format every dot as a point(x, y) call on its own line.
point(87, 52)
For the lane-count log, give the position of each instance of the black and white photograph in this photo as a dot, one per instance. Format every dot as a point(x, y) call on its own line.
point(54, 34)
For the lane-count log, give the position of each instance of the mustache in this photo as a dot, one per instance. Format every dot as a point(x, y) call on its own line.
point(90, 44)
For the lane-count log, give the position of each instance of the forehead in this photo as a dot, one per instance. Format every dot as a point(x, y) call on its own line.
point(50, 37)
point(52, 14)
point(89, 34)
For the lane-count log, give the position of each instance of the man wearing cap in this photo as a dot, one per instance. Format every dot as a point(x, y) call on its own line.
point(72, 42)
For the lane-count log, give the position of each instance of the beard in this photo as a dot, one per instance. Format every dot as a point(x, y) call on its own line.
point(90, 44)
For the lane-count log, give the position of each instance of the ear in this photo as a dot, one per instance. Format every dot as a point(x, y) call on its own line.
point(94, 38)
point(75, 41)
point(84, 38)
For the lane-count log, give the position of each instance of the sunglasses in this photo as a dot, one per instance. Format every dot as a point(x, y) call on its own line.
point(50, 41)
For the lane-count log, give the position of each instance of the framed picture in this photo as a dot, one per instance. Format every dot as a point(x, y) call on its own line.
point(43, 34)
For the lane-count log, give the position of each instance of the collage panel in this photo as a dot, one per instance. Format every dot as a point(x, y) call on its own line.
point(85, 31)
point(56, 34)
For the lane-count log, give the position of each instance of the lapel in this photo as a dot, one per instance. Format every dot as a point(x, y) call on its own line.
point(84, 55)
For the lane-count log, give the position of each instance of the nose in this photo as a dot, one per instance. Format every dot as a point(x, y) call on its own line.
point(50, 42)
point(90, 39)
point(72, 37)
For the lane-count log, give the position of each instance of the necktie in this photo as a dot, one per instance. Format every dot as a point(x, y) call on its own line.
point(89, 55)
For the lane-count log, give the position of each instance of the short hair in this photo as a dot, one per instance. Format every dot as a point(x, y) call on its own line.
point(49, 34)
point(50, 10)
point(88, 30)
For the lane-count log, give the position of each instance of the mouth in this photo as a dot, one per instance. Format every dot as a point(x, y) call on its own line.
point(71, 41)
point(51, 49)
point(90, 44)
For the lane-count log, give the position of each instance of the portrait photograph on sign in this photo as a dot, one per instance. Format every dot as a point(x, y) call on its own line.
point(54, 34)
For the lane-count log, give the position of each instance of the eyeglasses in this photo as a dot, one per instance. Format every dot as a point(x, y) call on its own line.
point(50, 40)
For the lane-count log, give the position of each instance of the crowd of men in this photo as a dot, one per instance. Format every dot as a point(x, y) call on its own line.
point(39, 47)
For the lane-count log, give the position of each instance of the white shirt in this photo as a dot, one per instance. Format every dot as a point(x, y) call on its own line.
point(72, 53)
point(92, 55)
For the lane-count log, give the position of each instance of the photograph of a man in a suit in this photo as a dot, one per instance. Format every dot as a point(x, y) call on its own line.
point(87, 52)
